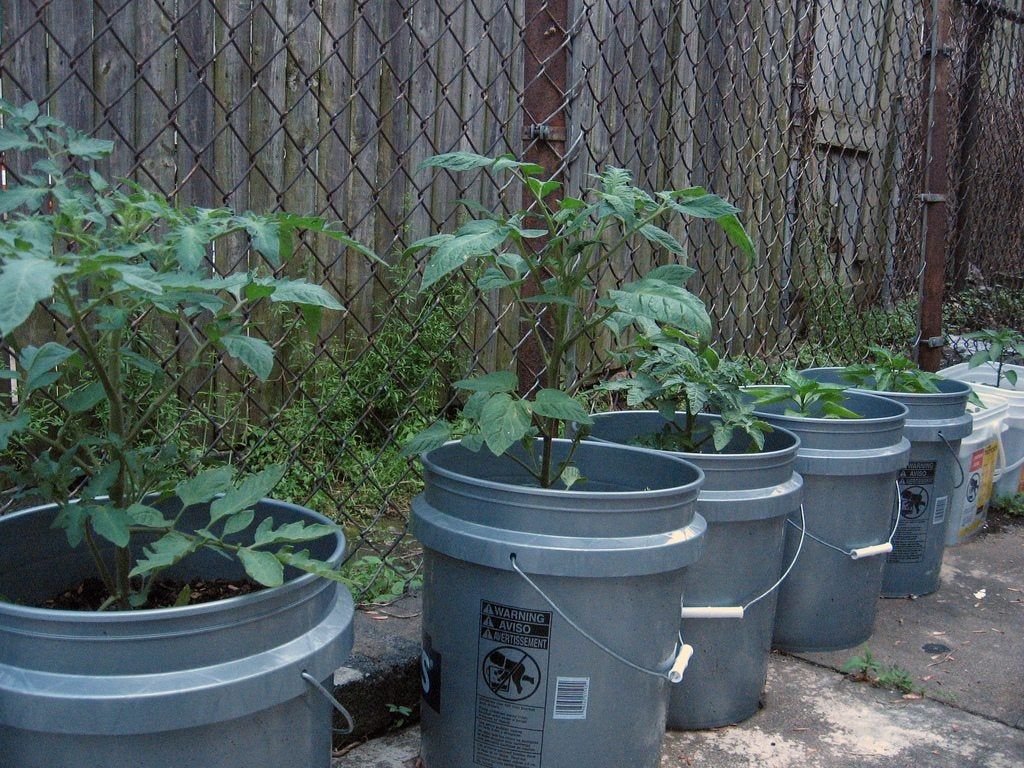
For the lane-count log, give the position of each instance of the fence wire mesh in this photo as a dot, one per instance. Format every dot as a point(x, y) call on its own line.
point(810, 115)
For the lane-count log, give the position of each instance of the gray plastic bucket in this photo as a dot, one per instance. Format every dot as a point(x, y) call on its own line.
point(513, 677)
point(745, 500)
point(936, 423)
point(849, 467)
point(216, 685)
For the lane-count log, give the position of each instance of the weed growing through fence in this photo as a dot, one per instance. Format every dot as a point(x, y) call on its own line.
point(375, 580)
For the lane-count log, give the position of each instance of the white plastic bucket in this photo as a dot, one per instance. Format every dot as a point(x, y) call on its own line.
point(1009, 478)
point(979, 456)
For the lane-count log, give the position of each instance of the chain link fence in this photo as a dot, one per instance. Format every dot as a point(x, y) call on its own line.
point(810, 115)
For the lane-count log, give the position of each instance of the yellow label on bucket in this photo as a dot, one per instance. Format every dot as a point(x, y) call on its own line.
point(987, 473)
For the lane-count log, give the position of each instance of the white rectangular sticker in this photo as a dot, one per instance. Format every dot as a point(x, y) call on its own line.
point(939, 515)
point(571, 695)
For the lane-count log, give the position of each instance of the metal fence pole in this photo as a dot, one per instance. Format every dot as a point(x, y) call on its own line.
point(545, 70)
point(935, 195)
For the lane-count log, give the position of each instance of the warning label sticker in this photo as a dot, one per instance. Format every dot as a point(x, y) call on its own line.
point(512, 658)
point(916, 482)
point(979, 482)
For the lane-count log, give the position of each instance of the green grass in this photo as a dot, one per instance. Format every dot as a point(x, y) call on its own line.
point(864, 667)
point(1009, 505)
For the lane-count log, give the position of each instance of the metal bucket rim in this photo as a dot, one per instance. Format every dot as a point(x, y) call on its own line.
point(140, 616)
point(431, 458)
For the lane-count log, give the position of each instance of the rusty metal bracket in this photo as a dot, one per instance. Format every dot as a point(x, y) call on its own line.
point(544, 132)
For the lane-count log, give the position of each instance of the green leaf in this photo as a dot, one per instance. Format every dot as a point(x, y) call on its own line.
point(738, 235)
point(555, 404)
point(676, 274)
point(305, 293)
point(248, 492)
point(705, 206)
point(39, 363)
point(434, 436)
point(570, 476)
point(239, 522)
point(662, 239)
point(290, 533)
point(494, 278)
point(354, 244)
point(10, 428)
point(24, 282)
point(17, 140)
point(80, 145)
point(474, 238)
point(503, 422)
point(265, 233)
point(86, 398)
point(143, 514)
point(304, 562)
point(263, 567)
point(1010, 376)
point(204, 486)
point(169, 549)
point(457, 161)
point(111, 523)
point(663, 302)
point(24, 195)
point(190, 243)
point(499, 381)
point(254, 353)
point(428, 242)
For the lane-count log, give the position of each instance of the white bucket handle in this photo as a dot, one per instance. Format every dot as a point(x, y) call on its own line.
point(956, 458)
point(681, 656)
point(872, 550)
point(738, 611)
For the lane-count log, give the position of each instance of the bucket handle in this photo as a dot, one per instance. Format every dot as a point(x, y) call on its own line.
point(861, 552)
point(737, 611)
point(681, 654)
point(956, 458)
point(351, 726)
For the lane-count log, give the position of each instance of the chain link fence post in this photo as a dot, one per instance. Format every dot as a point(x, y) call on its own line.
point(545, 98)
point(936, 188)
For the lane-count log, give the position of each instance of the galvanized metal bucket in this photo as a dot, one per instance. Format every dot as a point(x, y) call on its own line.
point(849, 468)
point(551, 617)
point(217, 685)
point(729, 593)
point(936, 423)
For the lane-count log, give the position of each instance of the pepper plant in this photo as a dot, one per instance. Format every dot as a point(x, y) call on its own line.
point(805, 397)
point(890, 372)
point(575, 236)
point(999, 344)
point(107, 261)
point(678, 373)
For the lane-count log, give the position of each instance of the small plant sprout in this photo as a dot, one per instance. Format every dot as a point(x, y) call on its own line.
point(107, 260)
point(998, 346)
point(576, 235)
point(805, 397)
point(678, 373)
point(865, 668)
